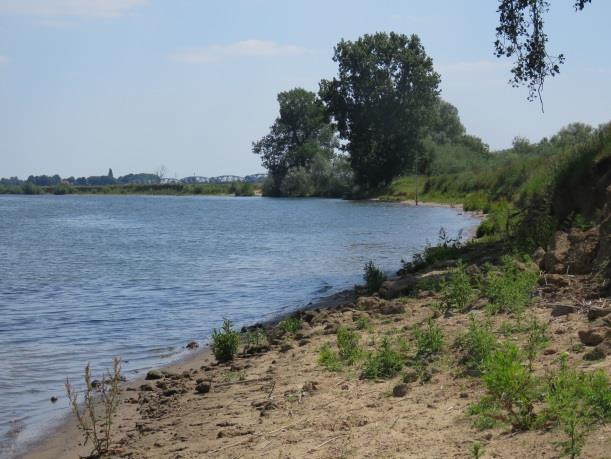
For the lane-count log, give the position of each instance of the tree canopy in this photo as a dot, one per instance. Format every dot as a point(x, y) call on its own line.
point(299, 134)
point(520, 35)
point(382, 101)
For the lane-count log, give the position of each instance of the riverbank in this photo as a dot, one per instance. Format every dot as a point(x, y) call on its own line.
point(289, 401)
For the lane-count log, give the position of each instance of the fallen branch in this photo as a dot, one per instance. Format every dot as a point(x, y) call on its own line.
point(324, 443)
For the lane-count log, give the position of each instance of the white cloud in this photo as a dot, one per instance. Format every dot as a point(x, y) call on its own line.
point(246, 48)
point(75, 8)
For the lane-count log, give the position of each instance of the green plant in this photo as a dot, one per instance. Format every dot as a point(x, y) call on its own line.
point(328, 358)
point(95, 425)
point(536, 340)
point(477, 343)
point(383, 363)
point(457, 293)
point(290, 325)
point(429, 340)
point(348, 345)
point(373, 277)
point(225, 342)
point(486, 413)
point(477, 450)
point(511, 385)
point(363, 323)
point(509, 290)
point(253, 338)
point(575, 400)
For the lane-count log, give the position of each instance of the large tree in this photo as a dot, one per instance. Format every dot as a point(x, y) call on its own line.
point(300, 133)
point(521, 35)
point(382, 102)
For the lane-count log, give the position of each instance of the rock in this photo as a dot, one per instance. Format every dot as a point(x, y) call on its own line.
point(400, 390)
point(549, 351)
point(594, 354)
point(557, 280)
point(480, 303)
point(54, 399)
point(285, 348)
point(203, 388)
point(593, 336)
point(398, 287)
point(392, 308)
point(369, 303)
point(310, 386)
point(170, 392)
point(563, 309)
point(595, 313)
point(146, 388)
point(330, 329)
point(473, 270)
point(345, 386)
point(539, 257)
point(153, 374)
point(161, 385)
point(410, 376)
point(192, 345)
point(573, 252)
point(303, 342)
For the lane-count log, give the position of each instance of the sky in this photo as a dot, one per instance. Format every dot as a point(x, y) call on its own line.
point(134, 85)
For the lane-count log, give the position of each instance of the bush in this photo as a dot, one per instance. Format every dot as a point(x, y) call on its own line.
point(429, 340)
point(384, 363)
point(511, 385)
point(348, 345)
point(373, 277)
point(290, 325)
point(536, 340)
point(104, 396)
point(510, 289)
point(362, 323)
point(477, 343)
point(225, 342)
point(329, 359)
point(457, 293)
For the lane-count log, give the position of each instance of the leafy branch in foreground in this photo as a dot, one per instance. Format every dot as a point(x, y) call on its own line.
point(96, 412)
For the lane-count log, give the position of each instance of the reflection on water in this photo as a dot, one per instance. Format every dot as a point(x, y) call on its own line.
point(86, 278)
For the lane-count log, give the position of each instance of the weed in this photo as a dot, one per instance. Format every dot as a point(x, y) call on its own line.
point(477, 343)
point(363, 323)
point(96, 426)
point(290, 325)
point(486, 413)
point(477, 450)
point(384, 363)
point(429, 340)
point(457, 293)
point(373, 277)
point(254, 338)
point(536, 340)
point(509, 290)
point(348, 345)
point(511, 385)
point(329, 359)
point(225, 342)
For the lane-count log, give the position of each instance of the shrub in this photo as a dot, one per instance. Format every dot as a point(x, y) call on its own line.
point(225, 342)
point(363, 323)
point(96, 426)
point(290, 325)
point(254, 338)
point(384, 363)
point(457, 293)
point(329, 359)
point(536, 340)
point(477, 343)
point(373, 276)
point(348, 345)
point(509, 290)
point(429, 340)
point(511, 385)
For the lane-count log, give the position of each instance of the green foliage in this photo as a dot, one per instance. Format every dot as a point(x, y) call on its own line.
point(383, 363)
point(576, 400)
point(242, 189)
point(254, 338)
point(477, 450)
point(63, 188)
point(509, 289)
point(429, 340)
point(382, 99)
point(290, 325)
point(457, 293)
point(373, 277)
point(511, 385)
point(477, 344)
point(225, 342)
point(486, 413)
point(329, 359)
point(363, 323)
point(348, 345)
point(536, 340)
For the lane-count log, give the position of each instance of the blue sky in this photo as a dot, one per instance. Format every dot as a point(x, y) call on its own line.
point(136, 84)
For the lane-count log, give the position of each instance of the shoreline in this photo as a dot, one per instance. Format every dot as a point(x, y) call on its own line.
point(63, 440)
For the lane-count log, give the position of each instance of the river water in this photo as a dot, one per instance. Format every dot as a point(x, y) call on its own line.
point(87, 278)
